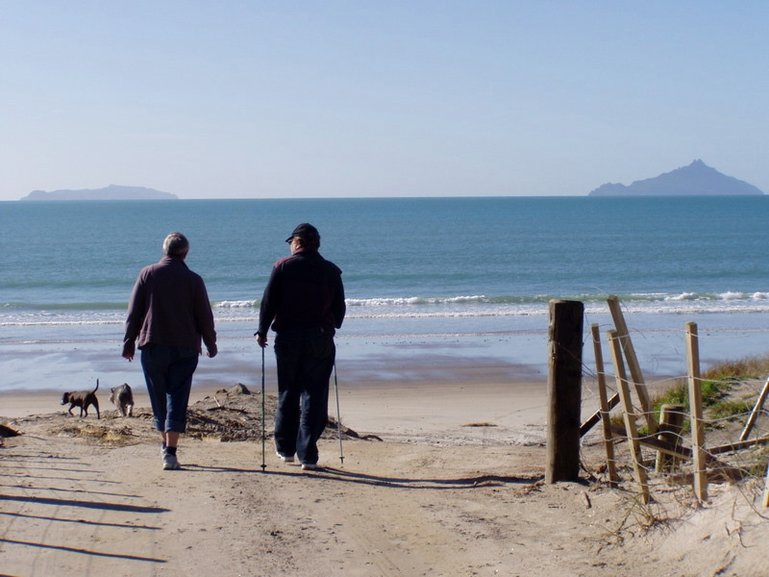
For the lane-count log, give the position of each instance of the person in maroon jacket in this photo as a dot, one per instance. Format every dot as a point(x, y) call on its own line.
point(168, 313)
point(304, 303)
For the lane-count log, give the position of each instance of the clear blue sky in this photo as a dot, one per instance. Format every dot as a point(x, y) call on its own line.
point(233, 99)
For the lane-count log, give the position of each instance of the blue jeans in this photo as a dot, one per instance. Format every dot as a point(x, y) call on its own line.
point(305, 359)
point(168, 372)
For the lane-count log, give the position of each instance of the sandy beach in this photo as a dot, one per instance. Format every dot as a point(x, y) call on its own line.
point(443, 478)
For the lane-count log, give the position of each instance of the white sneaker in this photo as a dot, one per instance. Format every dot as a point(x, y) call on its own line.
point(170, 462)
point(285, 458)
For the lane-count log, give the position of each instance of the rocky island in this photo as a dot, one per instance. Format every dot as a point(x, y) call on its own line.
point(697, 179)
point(111, 192)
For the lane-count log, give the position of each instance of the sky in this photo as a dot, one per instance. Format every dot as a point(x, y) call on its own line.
point(387, 98)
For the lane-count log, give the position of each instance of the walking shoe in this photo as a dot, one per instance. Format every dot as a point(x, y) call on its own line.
point(170, 462)
point(309, 466)
point(285, 458)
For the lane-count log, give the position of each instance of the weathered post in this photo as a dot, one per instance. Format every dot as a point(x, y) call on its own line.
point(695, 404)
point(632, 361)
point(766, 490)
point(608, 438)
point(564, 385)
point(629, 416)
point(669, 431)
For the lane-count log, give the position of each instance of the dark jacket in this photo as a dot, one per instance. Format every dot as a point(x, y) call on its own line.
point(169, 306)
point(305, 291)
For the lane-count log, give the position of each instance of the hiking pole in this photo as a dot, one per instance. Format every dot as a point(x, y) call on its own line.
point(338, 416)
point(264, 465)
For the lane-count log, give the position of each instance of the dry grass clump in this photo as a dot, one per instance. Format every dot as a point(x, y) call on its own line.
point(717, 386)
point(745, 368)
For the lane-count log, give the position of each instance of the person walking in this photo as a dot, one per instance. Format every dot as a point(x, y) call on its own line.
point(303, 303)
point(168, 313)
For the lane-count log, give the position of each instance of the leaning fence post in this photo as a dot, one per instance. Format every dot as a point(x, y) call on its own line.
point(564, 385)
point(632, 362)
point(755, 412)
point(695, 403)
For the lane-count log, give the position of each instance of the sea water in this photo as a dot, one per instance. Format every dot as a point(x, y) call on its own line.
point(431, 280)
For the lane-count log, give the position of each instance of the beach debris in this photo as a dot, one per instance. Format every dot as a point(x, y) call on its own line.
point(238, 389)
point(6, 431)
point(348, 432)
point(231, 414)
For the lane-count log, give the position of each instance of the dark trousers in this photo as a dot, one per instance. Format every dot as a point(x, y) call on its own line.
point(305, 360)
point(168, 372)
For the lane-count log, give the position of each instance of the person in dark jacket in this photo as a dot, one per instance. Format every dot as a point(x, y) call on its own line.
point(168, 313)
point(304, 304)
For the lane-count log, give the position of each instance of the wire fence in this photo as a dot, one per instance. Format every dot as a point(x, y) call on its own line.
point(657, 437)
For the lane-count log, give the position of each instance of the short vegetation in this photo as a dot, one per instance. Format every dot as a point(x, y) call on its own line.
point(716, 386)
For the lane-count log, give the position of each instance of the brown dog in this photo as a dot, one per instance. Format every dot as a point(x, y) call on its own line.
point(82, 399)
point(123, 398)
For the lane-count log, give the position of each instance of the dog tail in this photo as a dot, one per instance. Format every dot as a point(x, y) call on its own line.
point(97, 386)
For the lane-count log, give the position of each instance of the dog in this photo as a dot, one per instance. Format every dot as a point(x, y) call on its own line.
point(82, 399)
point(123, 398)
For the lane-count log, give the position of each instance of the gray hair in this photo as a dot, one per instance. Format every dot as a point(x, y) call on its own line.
point(176, 244)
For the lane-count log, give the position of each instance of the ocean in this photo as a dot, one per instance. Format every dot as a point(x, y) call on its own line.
point(432, 281)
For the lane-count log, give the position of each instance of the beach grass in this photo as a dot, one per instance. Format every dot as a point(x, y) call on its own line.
point(716, 384)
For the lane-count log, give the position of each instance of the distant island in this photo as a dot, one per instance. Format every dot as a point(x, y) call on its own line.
point(697, 179)
point(111, 192)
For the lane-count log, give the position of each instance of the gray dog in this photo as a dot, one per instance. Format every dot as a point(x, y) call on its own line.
point(82, 399)
point(123, 398)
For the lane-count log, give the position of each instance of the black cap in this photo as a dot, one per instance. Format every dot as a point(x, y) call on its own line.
point(305, 231)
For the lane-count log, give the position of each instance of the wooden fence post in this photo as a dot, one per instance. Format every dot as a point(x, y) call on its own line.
point(564, 385)
point(608, 439)
point(695, 404)
point(632, 362)
point(671, 423)
point(630, 417)
point(766, 489)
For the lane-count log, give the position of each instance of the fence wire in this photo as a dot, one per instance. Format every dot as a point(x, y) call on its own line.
point(724, 420)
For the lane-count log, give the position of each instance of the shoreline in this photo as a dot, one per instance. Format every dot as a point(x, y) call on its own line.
point(71, 357)
point(383, 406)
